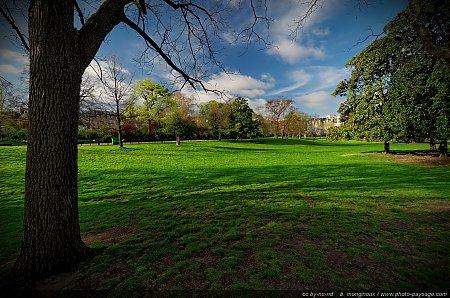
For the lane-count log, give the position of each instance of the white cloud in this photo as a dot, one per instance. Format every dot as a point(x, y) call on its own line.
point(229, 38)
point(327, 76)
point(300, 79)
point(8, 68)
point(286, 15)
point(292, 52)
point(232, 85)
point(238, 84)
point(12, 56)
point(258, 105)
point(267, 77)
point(321, 102)
point(321, 32)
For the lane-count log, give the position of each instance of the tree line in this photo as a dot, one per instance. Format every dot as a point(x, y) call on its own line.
point(147, 111)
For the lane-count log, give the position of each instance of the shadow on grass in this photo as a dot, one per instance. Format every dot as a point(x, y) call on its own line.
point(356, 226)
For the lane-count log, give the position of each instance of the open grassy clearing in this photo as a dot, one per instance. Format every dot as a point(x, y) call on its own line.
point(265, 214)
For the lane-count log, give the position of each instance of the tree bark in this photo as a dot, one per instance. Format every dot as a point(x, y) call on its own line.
point(51, 233)
point(59, 54)
point(387, 148)
point(177, 138)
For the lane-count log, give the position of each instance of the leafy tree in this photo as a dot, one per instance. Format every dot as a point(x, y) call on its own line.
point(13, 117)
point(178, 118)
point(148, 102)
point(390, 93)
point(419, 105)
point(430, 21)
point(216, 115)
point(241, 121)
point(297, 123)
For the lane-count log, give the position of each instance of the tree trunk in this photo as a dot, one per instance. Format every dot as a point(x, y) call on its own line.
point(432, 145)
point(51, 233)
point(119, 124)
point(443, 149)
point(276, 130)
point(177, 138)
point(387, 148)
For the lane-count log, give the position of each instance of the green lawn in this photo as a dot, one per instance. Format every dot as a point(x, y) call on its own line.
point(265, 214)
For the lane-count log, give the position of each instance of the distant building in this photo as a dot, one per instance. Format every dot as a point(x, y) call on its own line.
point(318, 126)
point(97, 119)
point(335, 119)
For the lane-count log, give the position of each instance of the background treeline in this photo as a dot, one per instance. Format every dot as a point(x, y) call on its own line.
point(147, 111)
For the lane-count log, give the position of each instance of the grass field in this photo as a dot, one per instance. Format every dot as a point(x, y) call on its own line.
point(264, 214)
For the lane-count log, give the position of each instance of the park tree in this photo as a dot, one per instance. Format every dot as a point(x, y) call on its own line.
point(241, 123)
point(297, 123)
point(277, 109)
point(177, 118)
point(148, 102)
point(116, 84)
point(315, 126)
point(216, 115)
point(419, 102)
point(365, 91)
point(13, 120)
point(393, 92)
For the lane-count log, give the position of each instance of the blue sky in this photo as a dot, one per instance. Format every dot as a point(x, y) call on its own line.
point(305, 70)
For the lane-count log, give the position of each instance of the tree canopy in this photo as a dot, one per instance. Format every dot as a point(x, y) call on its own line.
point(397, 90)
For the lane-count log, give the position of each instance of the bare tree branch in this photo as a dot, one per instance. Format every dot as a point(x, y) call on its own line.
point(189, 79)
point(98, 26)
point(369, 36)
point(250, 31)
point(300, 22)
point(79, 12)
point(6, 13)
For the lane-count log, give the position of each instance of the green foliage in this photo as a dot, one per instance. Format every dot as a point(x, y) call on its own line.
point(241, 123)
point(13, 126)
point(234, 119)
point(93, 135)
point(296, 123)
point(148, 102)
point(216, 117)
point(178, 118)
point(396, 90)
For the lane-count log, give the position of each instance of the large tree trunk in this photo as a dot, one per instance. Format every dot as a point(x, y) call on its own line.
point(51, 234)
